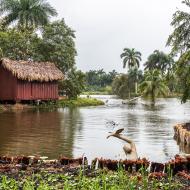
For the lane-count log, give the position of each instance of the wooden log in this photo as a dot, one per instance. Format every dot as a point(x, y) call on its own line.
point(182, 134)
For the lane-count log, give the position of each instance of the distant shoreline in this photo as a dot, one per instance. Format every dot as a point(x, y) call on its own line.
point(62, 103)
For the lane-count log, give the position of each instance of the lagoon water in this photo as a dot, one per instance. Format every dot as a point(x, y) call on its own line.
point(76, 131)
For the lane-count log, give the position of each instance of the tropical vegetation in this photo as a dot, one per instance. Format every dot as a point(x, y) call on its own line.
point(73, 84)
point(26, 14)
point(124, 84)
point(20, 39)
point(99, 81)
point(179, 40)
point(162, 74)
point(131, 60)
point(183, 71)
point(153, 85)
point(121, 86)
point(158, 79)
point(159, 60)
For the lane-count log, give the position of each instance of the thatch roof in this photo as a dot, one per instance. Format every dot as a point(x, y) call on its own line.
point(32, 71)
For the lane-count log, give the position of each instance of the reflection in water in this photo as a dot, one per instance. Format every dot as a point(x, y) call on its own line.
point(43, 133)
point(71, 123)
point(73, 132)
point(184, 148)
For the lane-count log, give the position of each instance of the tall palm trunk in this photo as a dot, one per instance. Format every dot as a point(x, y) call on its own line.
point(136, 88)
point(153, 98)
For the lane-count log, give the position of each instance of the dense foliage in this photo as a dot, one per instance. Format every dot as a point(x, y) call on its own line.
point(124, 84)
point(55, 42)
point(21, 39)
point(158, 79)
point(57, 45)
point(121, 86)
point(159, 60)
point(179, 40)
point(99, 80)
point(163, 76)
point(153, 85)
point(183, 73)
point(18, 45)
point(73, 84)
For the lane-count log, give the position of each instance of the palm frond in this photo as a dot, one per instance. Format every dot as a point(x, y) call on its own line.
point(28, 13)
point(123, 55)
point(131, 57)
point(187, 2)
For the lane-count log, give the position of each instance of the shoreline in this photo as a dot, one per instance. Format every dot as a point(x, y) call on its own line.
point(61, 103)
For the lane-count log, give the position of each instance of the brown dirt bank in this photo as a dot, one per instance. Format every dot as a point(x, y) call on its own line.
point(12, 166)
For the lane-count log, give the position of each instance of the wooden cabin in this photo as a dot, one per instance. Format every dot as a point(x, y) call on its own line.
point(28, 80)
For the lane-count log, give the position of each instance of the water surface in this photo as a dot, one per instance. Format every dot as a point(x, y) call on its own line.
point(78, 131)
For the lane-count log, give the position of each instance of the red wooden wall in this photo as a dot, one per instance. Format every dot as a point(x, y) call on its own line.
point(36, 90)
point(7, 85)
point(13, 89)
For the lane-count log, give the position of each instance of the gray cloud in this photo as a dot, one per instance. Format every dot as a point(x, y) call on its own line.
point(104, 27)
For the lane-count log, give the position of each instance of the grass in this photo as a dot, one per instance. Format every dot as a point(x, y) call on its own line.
point(101, 180)
point(79, 102)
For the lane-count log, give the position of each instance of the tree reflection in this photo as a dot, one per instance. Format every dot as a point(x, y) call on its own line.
point(39, 132)
point(71, 123)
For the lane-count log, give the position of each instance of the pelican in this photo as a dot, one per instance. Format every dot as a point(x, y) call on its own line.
point(129, 148)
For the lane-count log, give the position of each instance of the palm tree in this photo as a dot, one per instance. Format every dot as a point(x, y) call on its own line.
point(131, 58)
point(153, 85)
point(159, 60)
point(26, 13)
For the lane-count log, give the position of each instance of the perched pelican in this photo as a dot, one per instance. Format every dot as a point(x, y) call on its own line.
point(130, 148)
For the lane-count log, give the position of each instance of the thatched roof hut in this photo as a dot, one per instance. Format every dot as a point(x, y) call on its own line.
point(33, 71)
point(28, 80)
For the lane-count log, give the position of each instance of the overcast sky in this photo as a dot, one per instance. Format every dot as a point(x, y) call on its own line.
point(104, 27)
